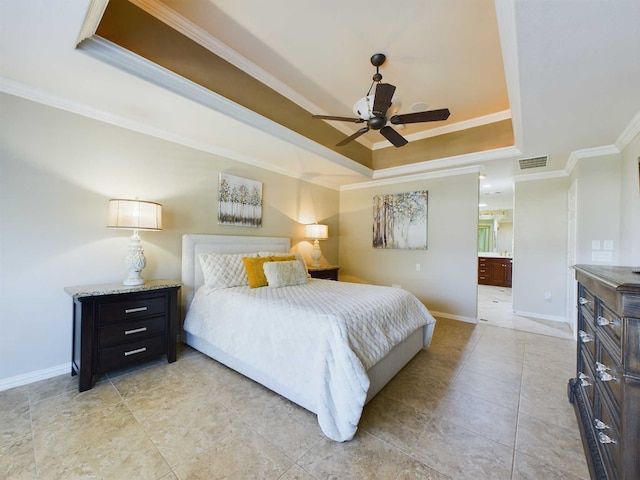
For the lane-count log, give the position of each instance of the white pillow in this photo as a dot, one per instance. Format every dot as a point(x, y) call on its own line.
point(224, 270)
point(284, 274)
point(277, 254)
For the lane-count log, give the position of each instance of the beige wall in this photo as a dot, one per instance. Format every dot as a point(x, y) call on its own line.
point(58, 170)
point(447, 280)
point(540, 248)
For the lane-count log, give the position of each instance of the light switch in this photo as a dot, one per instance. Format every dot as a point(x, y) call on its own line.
point(608, 244)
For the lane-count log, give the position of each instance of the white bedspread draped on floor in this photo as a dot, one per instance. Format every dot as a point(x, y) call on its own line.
point(318, 339)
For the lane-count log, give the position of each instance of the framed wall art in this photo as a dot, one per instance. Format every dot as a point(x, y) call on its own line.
point(400, 220)
point(239, 201)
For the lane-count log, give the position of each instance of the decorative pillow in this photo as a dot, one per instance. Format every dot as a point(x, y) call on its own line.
point(224, 270)
point(299, 257)
point(283, 274)
point(255, 272)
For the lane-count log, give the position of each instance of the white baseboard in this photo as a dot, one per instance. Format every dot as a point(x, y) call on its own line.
point(553, 318)
point(454, 317)
point(31, 377)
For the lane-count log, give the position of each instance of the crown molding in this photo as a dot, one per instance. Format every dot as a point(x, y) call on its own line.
point(411, 178)
point(588, 153)
point(92, 19)
point(506, 15)
point(448, 162)
point(629, 133)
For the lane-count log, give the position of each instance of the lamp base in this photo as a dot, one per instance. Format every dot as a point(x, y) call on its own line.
point(316, 254)
point(134, 261)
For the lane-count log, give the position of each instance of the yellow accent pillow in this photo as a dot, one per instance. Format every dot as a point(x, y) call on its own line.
point(255, 271)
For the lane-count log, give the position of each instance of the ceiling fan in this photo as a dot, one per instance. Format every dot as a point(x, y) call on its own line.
point(373, 111)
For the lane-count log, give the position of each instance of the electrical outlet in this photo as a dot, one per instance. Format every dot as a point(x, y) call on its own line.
point(547, 296)
point(417, 267)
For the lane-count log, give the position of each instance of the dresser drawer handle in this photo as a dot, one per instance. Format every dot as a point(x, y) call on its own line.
point(584, 336)
point(605, 438)
point(600, 425)
point(584, 380)
point(135, 310)
point(583, 301)
point(603, 322)
point(133, 352)
point(135, 330)
point(606, 376)
point(601, 367)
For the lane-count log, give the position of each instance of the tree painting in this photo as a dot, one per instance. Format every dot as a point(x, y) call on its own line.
point(239, 201)
point(400, 220)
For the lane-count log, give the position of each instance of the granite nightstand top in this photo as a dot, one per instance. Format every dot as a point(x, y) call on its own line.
point(117, 288)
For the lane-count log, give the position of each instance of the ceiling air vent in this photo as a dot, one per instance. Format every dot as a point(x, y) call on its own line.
point(533, 162)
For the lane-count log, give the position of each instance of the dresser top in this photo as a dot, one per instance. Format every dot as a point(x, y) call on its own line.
point(618, 278)
point(117, 288)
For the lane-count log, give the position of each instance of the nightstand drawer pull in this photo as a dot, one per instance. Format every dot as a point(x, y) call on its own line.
point(135, 330)
point(603, 322)
point(599, 424)
point(605, 438)
point(601, 367)
point(135, 310)
point(133, 352)
point(585, 337)
point(583, 301)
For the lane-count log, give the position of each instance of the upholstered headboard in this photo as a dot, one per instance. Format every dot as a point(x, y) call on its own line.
point(194, 245)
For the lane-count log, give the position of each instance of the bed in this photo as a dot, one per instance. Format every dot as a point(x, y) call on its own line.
point(327, 346)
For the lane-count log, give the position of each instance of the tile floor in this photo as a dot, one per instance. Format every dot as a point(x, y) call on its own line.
point(495, 307)
point(482, 402)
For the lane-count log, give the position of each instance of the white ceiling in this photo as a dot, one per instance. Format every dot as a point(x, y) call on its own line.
point(566, 71)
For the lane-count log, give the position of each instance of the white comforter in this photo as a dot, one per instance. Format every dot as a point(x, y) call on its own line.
point(316, 339)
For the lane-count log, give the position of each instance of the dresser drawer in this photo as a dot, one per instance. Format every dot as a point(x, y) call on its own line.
point(586, 300)
point(609, 323)
point(120, 355)
point(587, 381)
point(131, 331)
point(608, 438)
point(609, 375)
point(586, 334)
point(135, 308)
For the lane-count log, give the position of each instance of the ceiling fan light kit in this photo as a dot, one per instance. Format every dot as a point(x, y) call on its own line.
point(378, 109)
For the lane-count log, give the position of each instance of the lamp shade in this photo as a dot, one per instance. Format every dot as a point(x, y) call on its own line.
point(317, 231)
point(135, 215)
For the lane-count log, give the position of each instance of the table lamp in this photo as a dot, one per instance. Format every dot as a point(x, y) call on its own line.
point(317, 232)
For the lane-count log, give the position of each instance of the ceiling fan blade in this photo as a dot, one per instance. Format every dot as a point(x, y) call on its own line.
point(428, 116)
point(394, 137)
point(382, 99)
point(341, 119)
point(362, 131)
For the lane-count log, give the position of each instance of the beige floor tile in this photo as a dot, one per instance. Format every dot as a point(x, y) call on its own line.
point(494, 366)
point(481, 416)
point(15, 415)
point(54, 410)
point(462, 454)
point(17, 460)
point(551, 444)
point(297, 473)
point(497, 390)
point(422, 393)
point(393, 421)
point(527, 467)
point(52, 387)
point(546, 398)
point(238, 457)
point(108, 444)
point(364, 457)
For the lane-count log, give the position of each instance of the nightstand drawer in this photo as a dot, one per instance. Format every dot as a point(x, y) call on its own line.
point(135, 308)
point(610, 324)
point(131, 331)
point(120, 355)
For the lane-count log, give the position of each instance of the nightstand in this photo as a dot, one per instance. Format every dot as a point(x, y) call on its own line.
point(115, 326)
point(327, 272)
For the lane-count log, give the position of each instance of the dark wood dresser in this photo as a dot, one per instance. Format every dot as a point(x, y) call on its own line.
point(115, 326)
point(606, 390)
